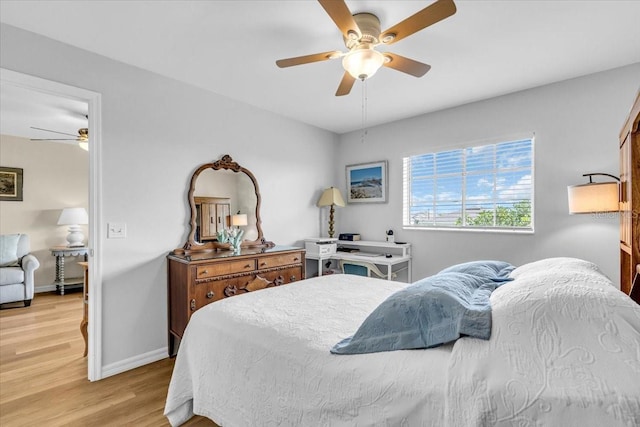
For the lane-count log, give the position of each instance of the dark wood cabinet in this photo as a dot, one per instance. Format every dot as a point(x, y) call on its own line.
point(630, 203)
point(200, 278)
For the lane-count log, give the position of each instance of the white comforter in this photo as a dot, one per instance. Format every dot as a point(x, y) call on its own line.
point(564, 350)
point(262, 359)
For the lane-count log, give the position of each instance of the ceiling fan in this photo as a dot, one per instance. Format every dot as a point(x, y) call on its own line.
point(361, 33)
point(82, 137)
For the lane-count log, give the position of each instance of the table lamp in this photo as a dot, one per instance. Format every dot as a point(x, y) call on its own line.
point(331, 197)
point(74, 217)
point(239, 220)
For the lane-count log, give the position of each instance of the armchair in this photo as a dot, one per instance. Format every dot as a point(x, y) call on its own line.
point(17, 267)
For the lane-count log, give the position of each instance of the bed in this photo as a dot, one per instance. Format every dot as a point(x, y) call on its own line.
point(564, 350)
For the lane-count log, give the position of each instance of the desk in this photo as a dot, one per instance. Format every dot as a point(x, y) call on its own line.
point(60, 252)
point(371, 252)
point(85, 299)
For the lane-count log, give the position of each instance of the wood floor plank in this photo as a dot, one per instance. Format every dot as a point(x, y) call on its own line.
point(43, 376)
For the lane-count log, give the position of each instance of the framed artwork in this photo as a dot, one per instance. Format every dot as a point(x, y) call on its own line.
point(367, 182)
point(10, 184)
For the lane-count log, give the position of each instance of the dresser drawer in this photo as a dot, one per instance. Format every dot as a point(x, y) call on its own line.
point(278, 260)
point(288, 275)
point(222, 268)
point(208, 292)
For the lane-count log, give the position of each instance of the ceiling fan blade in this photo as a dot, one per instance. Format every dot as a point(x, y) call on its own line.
point(345, 84)
point(406, 65)
point(341, 15)
point(54, 131)
point(431, 14)
point(299, 60)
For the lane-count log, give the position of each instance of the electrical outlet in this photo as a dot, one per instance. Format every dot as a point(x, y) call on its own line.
point(116, 230)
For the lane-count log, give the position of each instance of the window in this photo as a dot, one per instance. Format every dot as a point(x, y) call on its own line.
point(488, 187)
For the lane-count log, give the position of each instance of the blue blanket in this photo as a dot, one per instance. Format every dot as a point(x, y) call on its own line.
point(432, 311)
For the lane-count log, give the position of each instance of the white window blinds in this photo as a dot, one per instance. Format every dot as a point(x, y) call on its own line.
point(487, 187)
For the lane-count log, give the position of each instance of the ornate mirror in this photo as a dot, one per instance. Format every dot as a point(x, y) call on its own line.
point(218, 193)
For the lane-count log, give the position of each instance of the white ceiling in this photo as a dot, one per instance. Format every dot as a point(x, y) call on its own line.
point(23, 109)
point(488, 48)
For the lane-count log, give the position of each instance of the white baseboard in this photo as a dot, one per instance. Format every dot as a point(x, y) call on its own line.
point(134, 362)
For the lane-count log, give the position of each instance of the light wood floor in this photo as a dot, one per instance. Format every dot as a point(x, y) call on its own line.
point(43, 376)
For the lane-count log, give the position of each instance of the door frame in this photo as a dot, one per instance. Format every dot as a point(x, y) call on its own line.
point(94, 101)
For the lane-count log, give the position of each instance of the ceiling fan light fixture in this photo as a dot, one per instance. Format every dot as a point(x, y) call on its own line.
point(83, 134)
point(83, 138)
point(363, 62)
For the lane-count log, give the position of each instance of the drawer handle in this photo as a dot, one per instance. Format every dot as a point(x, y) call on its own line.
point(193, 305)
point(248, 266)
point(262, 264)
point(210, 294)
point(204, 272)
point(292, 278)
point(295, 259)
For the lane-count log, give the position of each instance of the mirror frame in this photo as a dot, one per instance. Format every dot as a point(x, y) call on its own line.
point(226, 163)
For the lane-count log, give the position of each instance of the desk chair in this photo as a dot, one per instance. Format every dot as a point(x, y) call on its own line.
point(362, 268)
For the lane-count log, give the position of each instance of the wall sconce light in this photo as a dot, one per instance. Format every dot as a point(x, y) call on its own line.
point(594, 196)
point(331, 197)
point(73, 217)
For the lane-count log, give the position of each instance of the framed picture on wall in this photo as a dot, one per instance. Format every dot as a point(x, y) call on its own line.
point(10, 184)
point(367, 182)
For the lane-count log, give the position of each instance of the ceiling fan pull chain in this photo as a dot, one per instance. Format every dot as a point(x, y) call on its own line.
point(363, 133)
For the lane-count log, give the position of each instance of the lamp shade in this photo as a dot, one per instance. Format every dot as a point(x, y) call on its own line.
point(330, 196)
point(593, 197)
point(73, 216)
point(239, 219)
point(362, 63)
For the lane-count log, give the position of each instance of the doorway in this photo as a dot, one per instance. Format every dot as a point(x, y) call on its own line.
point(10, 78)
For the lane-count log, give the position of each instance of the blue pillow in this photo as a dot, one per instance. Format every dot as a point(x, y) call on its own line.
point(428, 313)
point(497, 271)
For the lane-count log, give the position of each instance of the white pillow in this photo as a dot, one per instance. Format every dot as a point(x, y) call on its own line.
point(9, 250)
point(553, 265)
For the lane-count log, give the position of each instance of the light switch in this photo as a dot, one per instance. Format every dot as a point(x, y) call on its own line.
point(116, 230)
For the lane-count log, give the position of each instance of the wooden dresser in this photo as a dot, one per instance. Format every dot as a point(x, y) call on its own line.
point(630, 203)
point(199, 278)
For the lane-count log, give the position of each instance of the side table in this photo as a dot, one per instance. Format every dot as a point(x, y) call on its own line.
point(60, 252)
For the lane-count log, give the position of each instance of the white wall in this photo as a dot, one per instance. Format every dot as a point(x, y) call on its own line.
point(156, 131)
point(56, 176)
point(576, 125)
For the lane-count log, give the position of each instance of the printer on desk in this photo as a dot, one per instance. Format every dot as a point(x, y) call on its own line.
point(321, 245)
